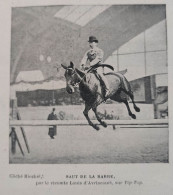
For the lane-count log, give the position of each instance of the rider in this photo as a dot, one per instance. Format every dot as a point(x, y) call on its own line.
point(92, 57)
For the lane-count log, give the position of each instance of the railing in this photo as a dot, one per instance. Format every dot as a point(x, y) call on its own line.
point(15, 123)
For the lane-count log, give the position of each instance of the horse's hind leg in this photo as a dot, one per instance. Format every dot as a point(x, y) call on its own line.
point(128, 108)
point(130, 93)
point(98, 118)
point(85, 112)
point(137, 109)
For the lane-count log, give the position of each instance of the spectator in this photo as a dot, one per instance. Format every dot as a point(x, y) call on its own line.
point(52, 129)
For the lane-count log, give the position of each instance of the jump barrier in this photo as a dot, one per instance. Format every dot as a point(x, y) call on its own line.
point(15, 123)
point(154, 123)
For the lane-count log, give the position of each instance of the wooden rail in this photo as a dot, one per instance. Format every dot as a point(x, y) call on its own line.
point(15, 123)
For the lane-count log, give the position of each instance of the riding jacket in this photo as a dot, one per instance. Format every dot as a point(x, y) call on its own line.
point(92, 57)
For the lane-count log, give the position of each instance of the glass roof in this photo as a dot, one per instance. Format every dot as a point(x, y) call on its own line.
point(80, 15)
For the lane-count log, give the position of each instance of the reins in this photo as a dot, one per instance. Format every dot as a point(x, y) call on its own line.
point(81, 79)
point(88, 71)
point(78, 83)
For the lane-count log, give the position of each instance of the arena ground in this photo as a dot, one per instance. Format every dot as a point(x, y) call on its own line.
point(84, 145)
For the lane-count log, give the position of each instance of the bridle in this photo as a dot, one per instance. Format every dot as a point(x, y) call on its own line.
point(76, 84)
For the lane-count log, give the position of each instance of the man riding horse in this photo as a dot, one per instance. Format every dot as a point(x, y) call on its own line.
point(94, 56)
point(116, 86)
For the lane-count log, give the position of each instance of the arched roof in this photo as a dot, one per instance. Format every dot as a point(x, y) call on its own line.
point(38, 31)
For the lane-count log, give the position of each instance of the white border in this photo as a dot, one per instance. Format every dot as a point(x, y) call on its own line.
point(23, 3)
point(157, 178)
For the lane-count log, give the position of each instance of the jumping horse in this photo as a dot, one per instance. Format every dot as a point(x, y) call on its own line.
point(92, 91)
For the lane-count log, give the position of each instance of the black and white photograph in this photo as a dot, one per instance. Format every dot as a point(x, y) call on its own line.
point(89, 84)
point(86, 97)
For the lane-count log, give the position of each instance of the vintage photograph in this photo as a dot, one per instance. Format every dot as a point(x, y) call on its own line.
point(89, 84)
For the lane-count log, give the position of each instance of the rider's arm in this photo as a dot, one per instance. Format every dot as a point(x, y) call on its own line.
point(84, 61)
point(99, 57)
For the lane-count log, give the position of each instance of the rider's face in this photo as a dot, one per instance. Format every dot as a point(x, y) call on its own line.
point(92, 44)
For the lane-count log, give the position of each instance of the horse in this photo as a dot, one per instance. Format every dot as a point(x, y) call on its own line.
point(92, 92)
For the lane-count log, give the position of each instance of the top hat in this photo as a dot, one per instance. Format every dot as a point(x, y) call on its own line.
point(92, 39)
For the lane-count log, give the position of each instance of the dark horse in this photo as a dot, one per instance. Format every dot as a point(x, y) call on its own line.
point(92, 92)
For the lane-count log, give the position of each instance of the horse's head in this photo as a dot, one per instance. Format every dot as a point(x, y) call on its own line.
point(71, 77)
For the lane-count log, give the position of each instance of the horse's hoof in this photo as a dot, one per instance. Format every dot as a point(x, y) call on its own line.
point(96, 127)
point(104, 124)
point(133, 116)
point(137, 109)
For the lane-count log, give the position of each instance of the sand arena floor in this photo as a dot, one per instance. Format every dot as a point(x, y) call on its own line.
point(84, 145)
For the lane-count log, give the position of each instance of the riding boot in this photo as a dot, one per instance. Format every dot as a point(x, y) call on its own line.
point(106, 85)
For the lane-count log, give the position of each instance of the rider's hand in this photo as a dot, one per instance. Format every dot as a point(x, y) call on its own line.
point(86, 68)
point(82, 67)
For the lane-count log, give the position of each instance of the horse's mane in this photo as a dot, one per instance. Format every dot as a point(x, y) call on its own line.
point(80, 72)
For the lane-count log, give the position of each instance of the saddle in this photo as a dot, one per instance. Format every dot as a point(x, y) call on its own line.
point(119, 74)
point(94, 67)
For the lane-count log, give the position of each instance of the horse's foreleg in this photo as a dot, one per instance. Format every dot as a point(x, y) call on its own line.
point(128, 108)
point(98, 118)
point(85, 112)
